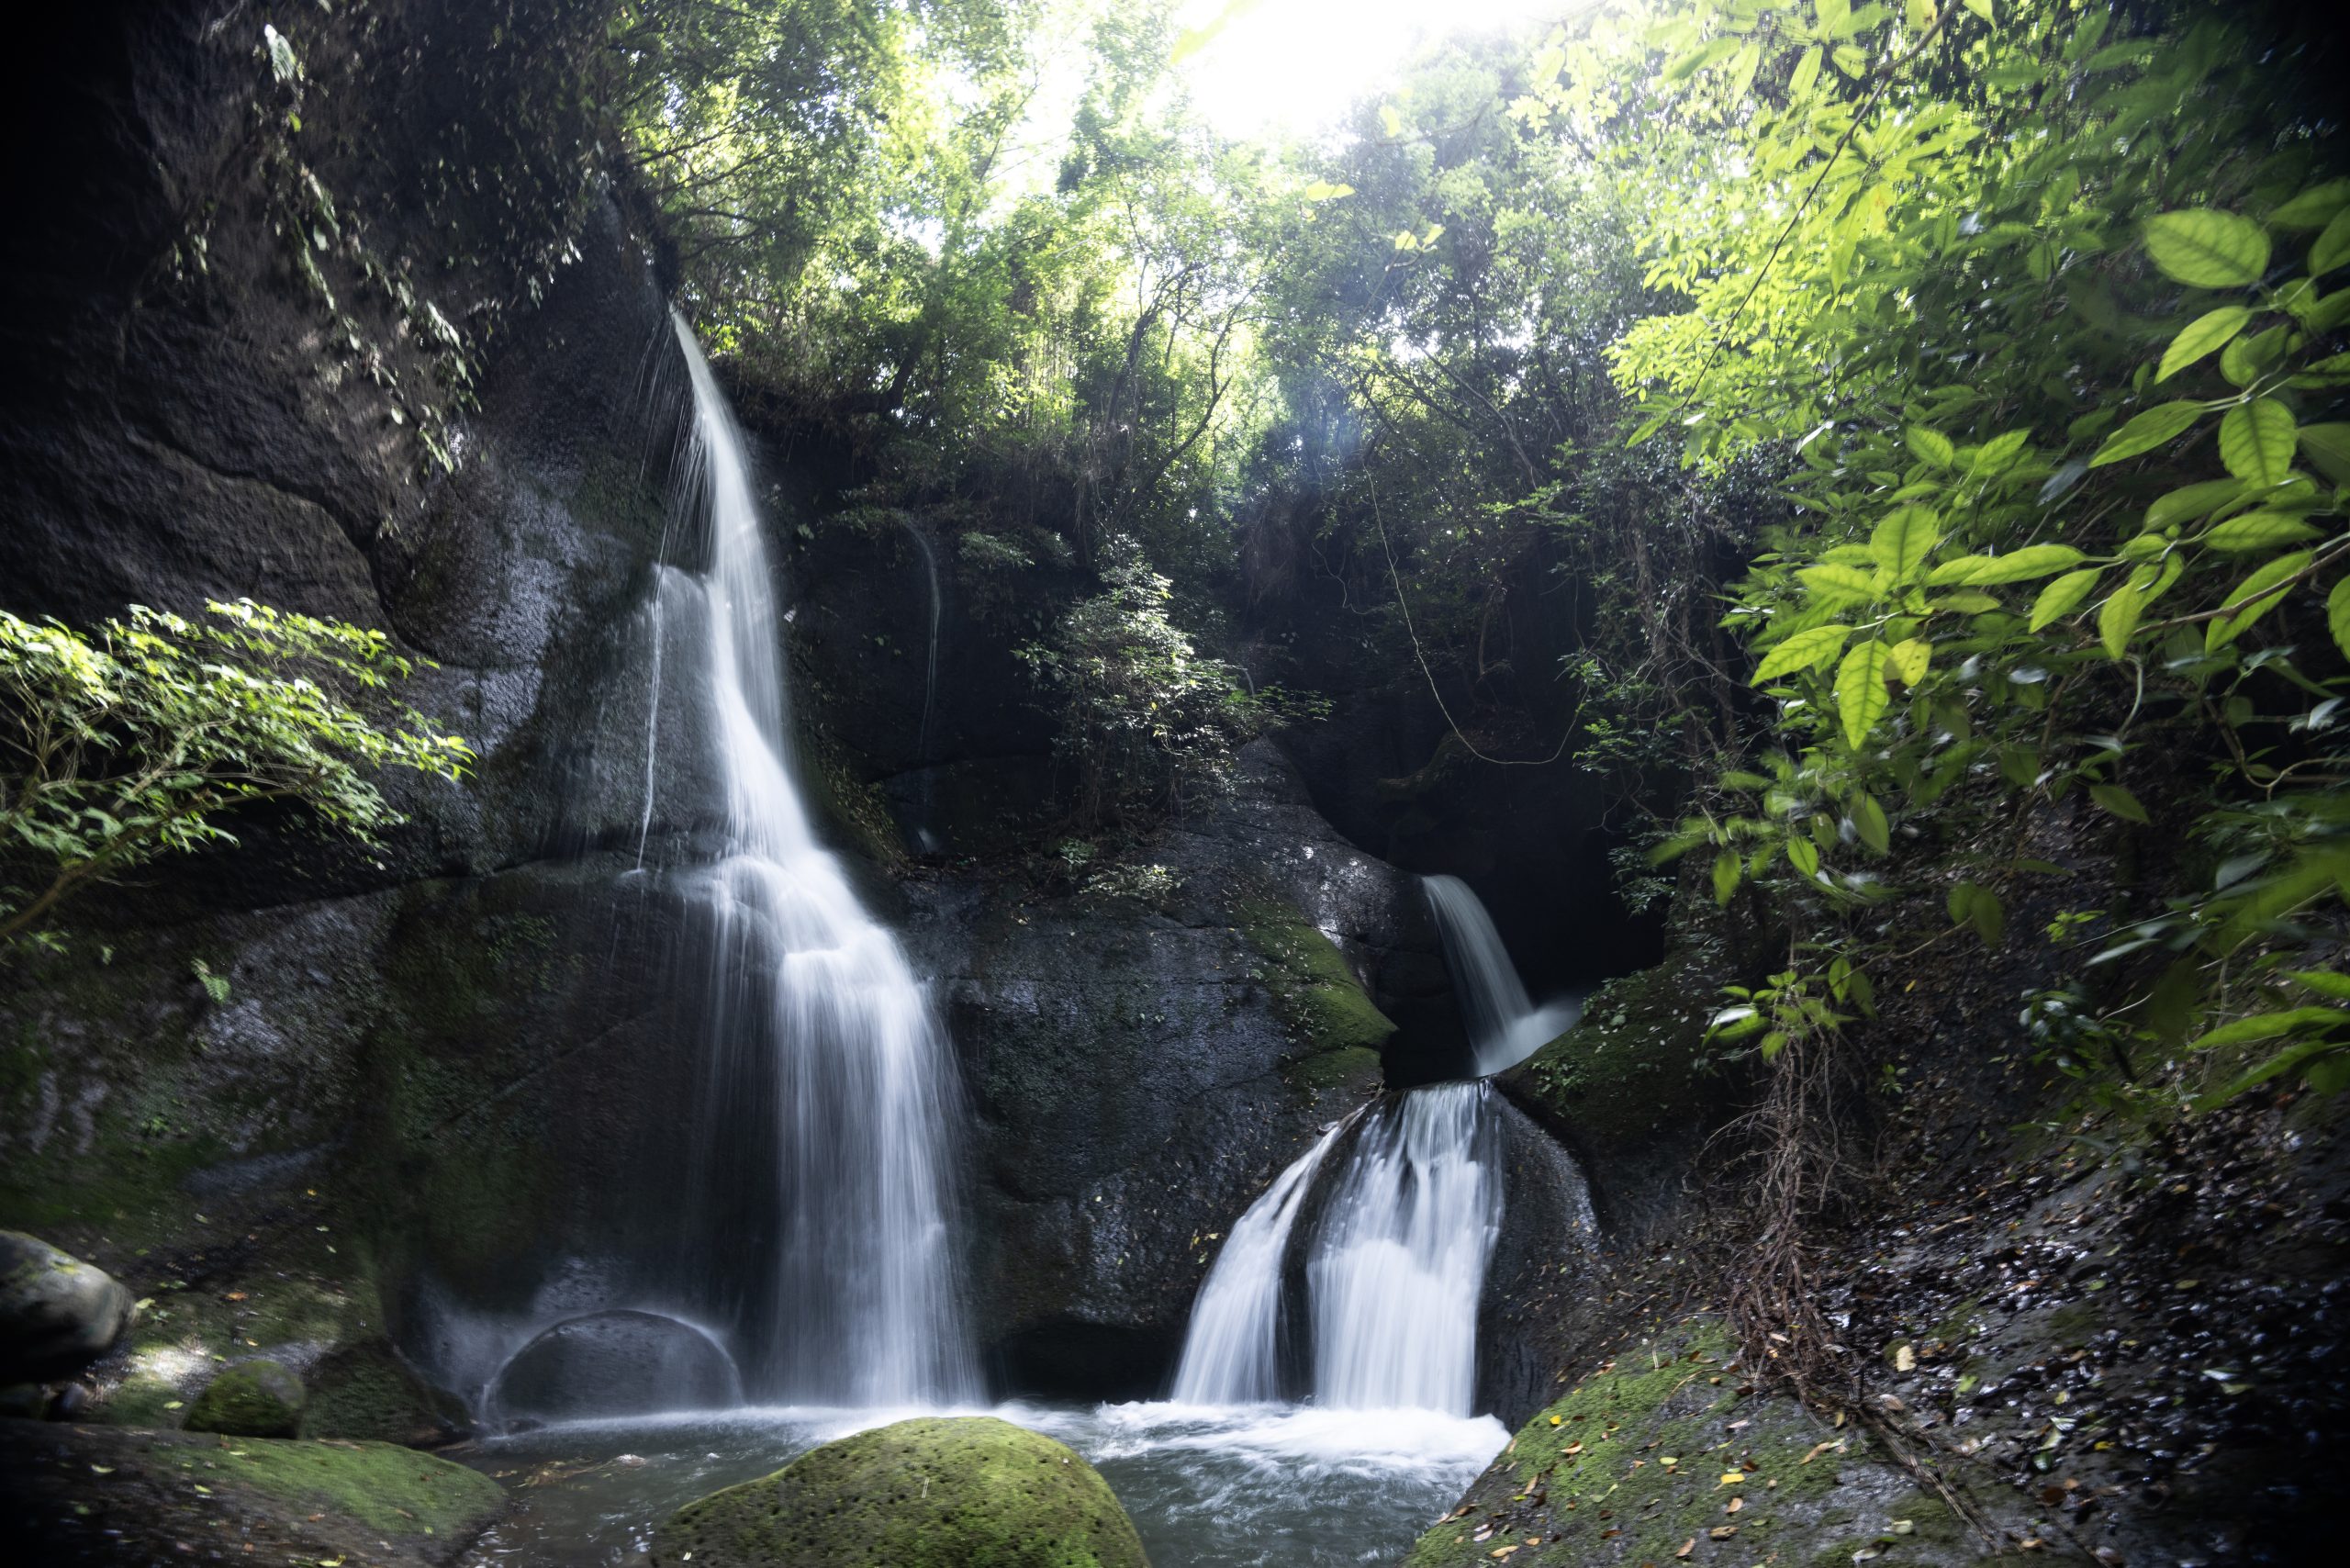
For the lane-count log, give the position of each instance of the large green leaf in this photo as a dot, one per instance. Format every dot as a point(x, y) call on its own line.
point(1930, 445)
point(1837, 586)
point(2117, 801)
point(2254, 597)
point(2328, 446)
point(2337, 615)
point(2015, 566)
point(2191, 501)
point(2314, 207)
point(2258, 531)
point(2208, 249)
point(2333, 246)
point(2064, 596)
point(2201, 336)
point(1861, 696)
point(2118, 617)
point(1903, 539)
point(1807, 649)
point(2148, 431)
point(2257, 441)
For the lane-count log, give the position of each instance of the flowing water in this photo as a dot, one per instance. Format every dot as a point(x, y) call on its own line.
point(831, 1101)
point(1504, 1028)
point(1243, 1487)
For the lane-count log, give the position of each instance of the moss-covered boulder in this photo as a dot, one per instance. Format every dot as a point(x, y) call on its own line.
point(965, 1492)
point(57, 1312)
point(115, 1495)
point(366, 1391)
point(251, 1399)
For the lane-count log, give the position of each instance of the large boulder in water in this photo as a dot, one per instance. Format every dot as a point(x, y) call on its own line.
point(965, 1492)
point(615, 1363)
point(57, 1312)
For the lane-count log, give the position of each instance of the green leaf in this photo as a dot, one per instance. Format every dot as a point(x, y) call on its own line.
point(2337, 615)
point(2314, 207)
point(1861, 696)
point(2118, 617)
point(2333, 246)
point(1970, 903)
point(1838, 585)
point(2257, 531)
point(2201, 336)
point(1930, 445)
point(1903, 540)
point(2015, 566)
point(2257, 594)
point(2325, 982)
point(2150, 430)
point(2257, 441)
point(1804, 856)
point(1869, 821)
point(2191, 501)
point(2061, 597)
point(1727, 867)
point(1908, 660)
point(2329, 447)
point(2117, 801)
point(2208, 249)
point(2284, 1061)
point(2269, 1025)
point(1807, 649)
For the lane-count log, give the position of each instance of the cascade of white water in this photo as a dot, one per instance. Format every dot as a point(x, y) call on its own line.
point(1504, 1028)
point(1399, 1264)
point(1231, 1348)
point(813, 1004)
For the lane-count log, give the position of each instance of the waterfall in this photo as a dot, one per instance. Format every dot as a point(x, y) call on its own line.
point(1504, 1028)
point(1395, 1265)
point(1231, 1350)
point(831, 1102)
point(1399, 1266)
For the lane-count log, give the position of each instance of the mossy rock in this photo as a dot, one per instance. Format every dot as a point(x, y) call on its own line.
point(964, 1492)
point(1314, 991)
point(251, 1399)
point(366, 1391)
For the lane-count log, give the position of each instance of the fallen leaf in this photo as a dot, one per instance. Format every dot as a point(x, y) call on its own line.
point(1501, 1551)
point(1903, 1527)
point(102, 1469)
point(1905, 1359)
point(1733, 1478)
point(1687, 1547)
point(1734, 1505)
point(1722, 1532)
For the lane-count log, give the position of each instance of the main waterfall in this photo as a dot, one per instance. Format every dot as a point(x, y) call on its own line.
point(831, 1100)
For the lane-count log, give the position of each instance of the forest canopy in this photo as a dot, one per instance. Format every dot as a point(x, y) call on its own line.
point(1927, 416)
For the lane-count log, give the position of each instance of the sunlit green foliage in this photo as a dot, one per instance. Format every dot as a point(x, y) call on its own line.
point(139, 739)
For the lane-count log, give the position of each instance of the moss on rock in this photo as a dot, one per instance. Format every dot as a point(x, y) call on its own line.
point(967, 1492)
point(1646, 1460)
point(1630, 1064)
point(251, 1399)
point(1314, 991)
point(366, 1391)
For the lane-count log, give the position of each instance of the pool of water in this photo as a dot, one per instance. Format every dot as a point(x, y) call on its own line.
point(1207, 1488)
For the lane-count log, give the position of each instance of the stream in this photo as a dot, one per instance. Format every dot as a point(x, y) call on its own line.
point(1233, 1486)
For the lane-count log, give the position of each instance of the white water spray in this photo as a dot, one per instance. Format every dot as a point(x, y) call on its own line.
point(1231, 1350)
point(1400, 1263)
point(1504, 1028)
point(814, 1005)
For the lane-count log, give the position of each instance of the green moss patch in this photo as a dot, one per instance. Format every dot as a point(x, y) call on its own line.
point(1656, 1452)
point(969, 1492)
point(1632, 1064)
point(1314, 991)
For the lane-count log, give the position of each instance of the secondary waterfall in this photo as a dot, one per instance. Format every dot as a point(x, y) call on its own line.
point(1395, 1265)
point(1400, 1264)
point(831, 1099)
point(1231, 1350)
point(1504, 1028)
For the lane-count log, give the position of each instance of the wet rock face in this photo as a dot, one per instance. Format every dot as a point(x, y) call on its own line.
point(970, 1492)
point(615, 1363)
point(1140, 1066)
point(250, 1399)
point(57, 1312)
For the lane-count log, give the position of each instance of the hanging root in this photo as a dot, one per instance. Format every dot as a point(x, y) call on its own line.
point(1772, 1295)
